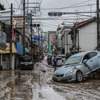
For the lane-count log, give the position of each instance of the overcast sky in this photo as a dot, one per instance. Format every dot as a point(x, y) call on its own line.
point(57, 5)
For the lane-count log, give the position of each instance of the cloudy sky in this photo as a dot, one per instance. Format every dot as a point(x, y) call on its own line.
point(57, 5)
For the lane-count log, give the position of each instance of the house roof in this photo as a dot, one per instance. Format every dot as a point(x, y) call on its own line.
point(80, 24)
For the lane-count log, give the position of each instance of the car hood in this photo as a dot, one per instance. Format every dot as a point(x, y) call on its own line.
point(65, 69)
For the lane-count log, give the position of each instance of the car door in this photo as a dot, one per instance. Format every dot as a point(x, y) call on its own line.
point(98, 59)
point(87, 63)
point(94, 62)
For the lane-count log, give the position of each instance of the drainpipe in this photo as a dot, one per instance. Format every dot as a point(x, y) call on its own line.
point(78, 40)
point(74, 41)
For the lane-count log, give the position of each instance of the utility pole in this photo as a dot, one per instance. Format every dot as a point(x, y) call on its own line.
point(98, 33)
point(31, 34)
point(11, 36)
point(23, 27)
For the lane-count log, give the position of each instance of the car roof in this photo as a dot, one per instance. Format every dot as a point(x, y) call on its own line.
point(82, 53)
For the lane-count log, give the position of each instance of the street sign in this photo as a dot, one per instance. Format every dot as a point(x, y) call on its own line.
point(36, 38)
point(55, 13)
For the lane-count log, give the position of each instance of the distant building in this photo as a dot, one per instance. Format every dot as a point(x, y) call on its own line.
point(51, 40)
point(64, 39)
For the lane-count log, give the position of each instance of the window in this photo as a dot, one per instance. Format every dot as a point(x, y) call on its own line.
point(86, 57)
point(92, 54)
point(89, 55)
point(26, 58)
point(74, 60)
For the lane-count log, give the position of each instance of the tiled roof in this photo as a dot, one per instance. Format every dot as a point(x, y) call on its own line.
point(84, 22)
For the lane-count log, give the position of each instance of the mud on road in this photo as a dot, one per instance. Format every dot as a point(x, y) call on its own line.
point(38, 85)
point(49, 90)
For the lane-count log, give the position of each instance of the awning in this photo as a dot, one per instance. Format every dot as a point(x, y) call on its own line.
point(7, 50)
point(26, 50)
point(19, 48)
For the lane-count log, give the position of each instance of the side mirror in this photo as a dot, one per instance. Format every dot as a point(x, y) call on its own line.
point(85, 61)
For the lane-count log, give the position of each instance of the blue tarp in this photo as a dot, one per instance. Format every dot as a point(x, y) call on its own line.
point(19, 48)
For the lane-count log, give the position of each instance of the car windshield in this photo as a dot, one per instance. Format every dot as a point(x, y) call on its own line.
point(26, 58)
point(73, 60)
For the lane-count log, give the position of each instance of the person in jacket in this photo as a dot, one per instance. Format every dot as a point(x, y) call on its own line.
point(55, 62)
point(45, 62)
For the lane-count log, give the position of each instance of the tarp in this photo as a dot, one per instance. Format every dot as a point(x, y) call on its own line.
point(19, 48)
point(7, 50)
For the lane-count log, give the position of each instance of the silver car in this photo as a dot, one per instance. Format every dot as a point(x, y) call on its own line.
point(78, 66)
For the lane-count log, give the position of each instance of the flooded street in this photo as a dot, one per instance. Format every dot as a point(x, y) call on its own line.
point(38, 85)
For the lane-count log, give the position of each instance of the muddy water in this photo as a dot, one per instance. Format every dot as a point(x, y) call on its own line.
point(49, 90)
point(20, 87)
point(38, 85)
point(42, 90)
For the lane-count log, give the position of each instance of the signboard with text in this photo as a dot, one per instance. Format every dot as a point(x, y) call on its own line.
point(36, 38)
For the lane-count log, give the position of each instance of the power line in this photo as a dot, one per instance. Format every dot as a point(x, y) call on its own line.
point(8, 3)
point(56, 19)
point(17, 3)
point(49, 24)
point(66, 7)
point(19, 6)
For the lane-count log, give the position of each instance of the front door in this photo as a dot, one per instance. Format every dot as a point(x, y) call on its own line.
point(92, 62)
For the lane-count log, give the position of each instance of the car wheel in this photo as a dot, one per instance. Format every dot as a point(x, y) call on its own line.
point(79, 76)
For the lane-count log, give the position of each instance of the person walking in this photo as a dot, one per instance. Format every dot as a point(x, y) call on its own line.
point(44, 63)
point(55, 62)
point(49, 60)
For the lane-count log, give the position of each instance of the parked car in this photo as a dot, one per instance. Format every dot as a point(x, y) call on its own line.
point(61, 59)
point(78, 66)
point(26, 62)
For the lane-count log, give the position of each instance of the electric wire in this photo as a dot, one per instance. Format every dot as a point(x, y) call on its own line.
point(49, 24)
point(8, 3)
point(19, 6)
point(17, 3)
point(67, 6)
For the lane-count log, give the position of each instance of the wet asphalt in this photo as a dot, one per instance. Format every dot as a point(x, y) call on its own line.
point(38, 85)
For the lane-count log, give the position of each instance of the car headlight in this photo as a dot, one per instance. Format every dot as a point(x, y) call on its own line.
point(70, 72)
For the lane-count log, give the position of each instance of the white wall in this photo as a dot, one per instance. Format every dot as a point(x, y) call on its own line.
point(88, 37)
point(68, 43)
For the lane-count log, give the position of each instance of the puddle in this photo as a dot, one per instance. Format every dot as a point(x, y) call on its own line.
point(20, 87)
point(46, 93)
